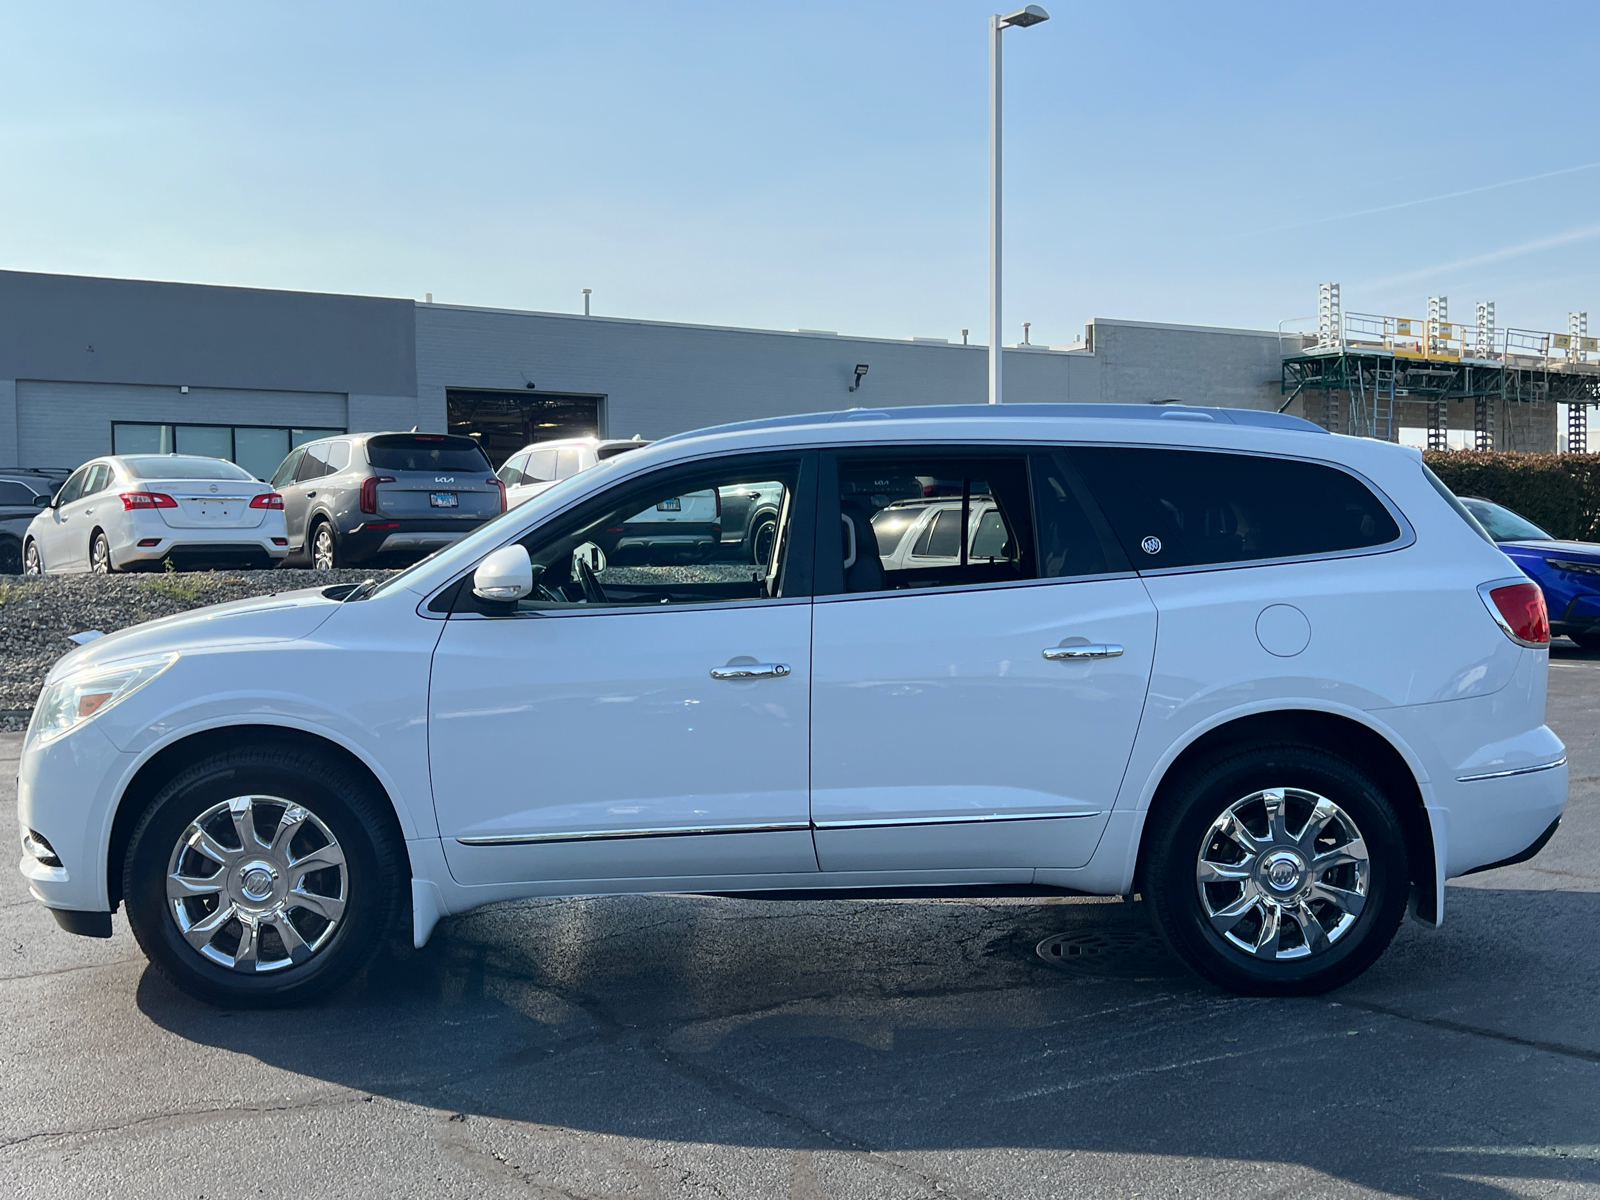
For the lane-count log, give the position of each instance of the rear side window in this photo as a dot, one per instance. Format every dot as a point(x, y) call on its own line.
point(569, 464)
point(314, 465)
point(1175, 508)
point(425, 452)
point(338, 456)
point(1074, 538)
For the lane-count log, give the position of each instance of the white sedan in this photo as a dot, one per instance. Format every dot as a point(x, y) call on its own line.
point(124, 512)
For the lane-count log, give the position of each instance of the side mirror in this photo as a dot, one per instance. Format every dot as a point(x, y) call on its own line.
point(507, 574)
point(43, 502)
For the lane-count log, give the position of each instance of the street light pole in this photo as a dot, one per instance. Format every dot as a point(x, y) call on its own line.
point(1022, 18)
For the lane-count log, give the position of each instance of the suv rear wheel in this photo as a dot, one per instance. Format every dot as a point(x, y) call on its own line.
point(324, 547)
point(1280, 871)
point(263, 876)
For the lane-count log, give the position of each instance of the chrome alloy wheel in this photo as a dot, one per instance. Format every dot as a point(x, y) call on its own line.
point(100, 555)
point(257, 883)
point(1283, 874)
point(322, 553)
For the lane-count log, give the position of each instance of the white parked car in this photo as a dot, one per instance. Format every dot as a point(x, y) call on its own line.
point(535, 468)
point(132, 511)
point(1276, 681)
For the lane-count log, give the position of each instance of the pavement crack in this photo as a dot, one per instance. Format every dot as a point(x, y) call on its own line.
point(1511, 1039)
point(184, 1117)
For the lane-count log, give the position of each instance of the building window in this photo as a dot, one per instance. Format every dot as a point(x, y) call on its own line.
point(257, 448)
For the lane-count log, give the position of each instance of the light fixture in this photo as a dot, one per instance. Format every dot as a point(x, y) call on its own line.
point(586, 293)
point(1023, 17)
point(861, 370)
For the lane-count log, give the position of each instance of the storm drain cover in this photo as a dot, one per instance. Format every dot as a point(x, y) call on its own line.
point(1121, 953)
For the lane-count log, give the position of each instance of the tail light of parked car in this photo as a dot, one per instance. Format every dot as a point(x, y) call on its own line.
point(369, 491)
point(267, 500)
point(1518, 608)
point(133, 501)
point(499, 483)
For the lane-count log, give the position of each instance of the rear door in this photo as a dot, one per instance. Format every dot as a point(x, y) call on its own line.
point(971, 714)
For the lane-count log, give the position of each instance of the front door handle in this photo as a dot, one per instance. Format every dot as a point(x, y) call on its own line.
point(751, 671)
point(1076, 653)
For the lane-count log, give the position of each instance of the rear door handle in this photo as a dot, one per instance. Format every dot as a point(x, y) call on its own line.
point(1075, 653)
point(751, 671)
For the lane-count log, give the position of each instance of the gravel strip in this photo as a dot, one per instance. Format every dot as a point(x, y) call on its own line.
point(38, 614)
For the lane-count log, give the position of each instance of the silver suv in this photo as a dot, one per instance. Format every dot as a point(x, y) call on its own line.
point(352, 499)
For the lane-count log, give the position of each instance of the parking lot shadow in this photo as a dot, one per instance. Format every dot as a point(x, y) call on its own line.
point(907, 1026)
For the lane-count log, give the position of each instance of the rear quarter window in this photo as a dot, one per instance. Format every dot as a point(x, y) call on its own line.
point(1172, 508)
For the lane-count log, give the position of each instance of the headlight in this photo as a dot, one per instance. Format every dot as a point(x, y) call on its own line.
point(72, 700)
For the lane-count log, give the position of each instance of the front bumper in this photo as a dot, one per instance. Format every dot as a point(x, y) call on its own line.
point(66, 791)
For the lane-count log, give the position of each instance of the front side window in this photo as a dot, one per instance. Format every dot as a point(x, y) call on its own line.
point(73, 487)
point(510, 473)
point(1176, 508)
point(931, 519)
point(284, 475)
point(659, 543)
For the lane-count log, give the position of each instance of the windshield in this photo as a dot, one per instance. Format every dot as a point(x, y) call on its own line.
point(487, 536)
point(181, 466)
point(425, 452)
point(1503, 524)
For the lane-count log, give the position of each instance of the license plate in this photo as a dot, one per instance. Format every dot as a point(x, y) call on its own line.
point(673, 505)
point(443, 499)
point(214, 508)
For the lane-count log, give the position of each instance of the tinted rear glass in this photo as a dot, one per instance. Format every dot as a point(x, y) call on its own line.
point(178, 466)
point(420, 452)
point(1191, 507)
point(15, 493)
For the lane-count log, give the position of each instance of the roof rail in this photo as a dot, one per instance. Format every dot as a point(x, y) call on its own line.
point(1116, 412)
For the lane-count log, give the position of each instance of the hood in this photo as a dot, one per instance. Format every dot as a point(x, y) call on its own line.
point(282, 616)
point(1588, 551)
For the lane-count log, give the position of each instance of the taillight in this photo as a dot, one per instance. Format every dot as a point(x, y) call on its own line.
point(499, 483)
point(369, 491)
point(1518, 608)
point(137, 500)
point(267, 500)
point(717, 492)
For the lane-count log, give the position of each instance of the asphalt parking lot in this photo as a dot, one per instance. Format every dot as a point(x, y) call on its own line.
point(678, 1047)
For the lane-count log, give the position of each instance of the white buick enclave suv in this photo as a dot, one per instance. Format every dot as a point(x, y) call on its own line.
point(1276, 681)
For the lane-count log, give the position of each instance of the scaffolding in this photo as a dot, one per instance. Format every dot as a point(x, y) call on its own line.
point(1362, 364)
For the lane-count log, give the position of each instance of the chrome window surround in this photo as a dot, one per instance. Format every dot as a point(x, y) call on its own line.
point(1407, 537)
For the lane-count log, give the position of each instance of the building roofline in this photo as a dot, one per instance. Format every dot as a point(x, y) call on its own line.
point(1169, 327)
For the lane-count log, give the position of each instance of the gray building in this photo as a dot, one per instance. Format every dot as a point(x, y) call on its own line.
point(89, 366)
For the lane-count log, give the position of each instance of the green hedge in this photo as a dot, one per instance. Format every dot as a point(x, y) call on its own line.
point(1560, 492)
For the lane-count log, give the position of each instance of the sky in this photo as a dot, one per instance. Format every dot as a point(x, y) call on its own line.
point(817, 165)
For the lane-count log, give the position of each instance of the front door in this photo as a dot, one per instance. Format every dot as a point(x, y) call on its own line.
point(979, 674)
point(53, 534)
point(646, 714)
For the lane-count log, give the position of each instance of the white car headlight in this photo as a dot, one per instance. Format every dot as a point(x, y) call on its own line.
point(74, 699)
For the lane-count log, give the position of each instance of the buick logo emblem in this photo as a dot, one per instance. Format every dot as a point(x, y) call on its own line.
point(1151, 545)
point(213, 487)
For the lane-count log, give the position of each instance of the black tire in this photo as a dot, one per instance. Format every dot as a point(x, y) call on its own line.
point(354, 815)
point(100, 554)
point(1587, 640)
point(334, 557)
point(758, 540)
point(10, 556)
point(1182, 832)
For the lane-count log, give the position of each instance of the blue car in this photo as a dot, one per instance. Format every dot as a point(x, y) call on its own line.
point(1567, 572)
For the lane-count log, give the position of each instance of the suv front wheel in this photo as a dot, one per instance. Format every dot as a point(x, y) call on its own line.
point(1280, 871)
point(264, 875)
